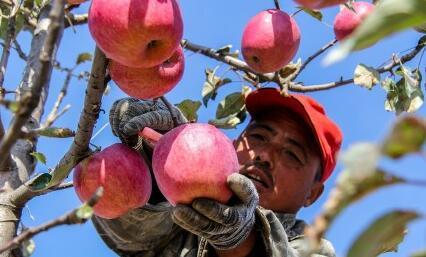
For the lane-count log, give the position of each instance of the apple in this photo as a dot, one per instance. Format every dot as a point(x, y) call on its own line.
point(124, 176)
point(136, 33)
point(346, 21)
point(193, 161)
point(148, 83)
point(270, 41)
point(318, 4)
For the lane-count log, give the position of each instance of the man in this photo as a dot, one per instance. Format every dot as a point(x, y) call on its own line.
point(286, 152)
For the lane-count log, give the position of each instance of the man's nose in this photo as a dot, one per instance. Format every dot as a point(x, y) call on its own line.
point(263, 161)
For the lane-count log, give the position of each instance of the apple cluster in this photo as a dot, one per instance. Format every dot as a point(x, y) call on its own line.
point(142, 40)
point(147, 61)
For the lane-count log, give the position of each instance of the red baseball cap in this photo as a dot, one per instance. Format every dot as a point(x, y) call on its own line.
point(326, 132)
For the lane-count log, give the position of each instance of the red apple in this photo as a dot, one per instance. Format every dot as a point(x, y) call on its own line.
point(136, 33)
point(270, 41)
point(346, 21)
point(318, 4)
point(194, 161)
point(124, 176)
point(147, 83)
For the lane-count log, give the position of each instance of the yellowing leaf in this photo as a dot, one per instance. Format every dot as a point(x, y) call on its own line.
point(366, 76)
point(408, 135)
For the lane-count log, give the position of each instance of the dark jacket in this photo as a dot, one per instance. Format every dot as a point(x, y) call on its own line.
point(150, 232)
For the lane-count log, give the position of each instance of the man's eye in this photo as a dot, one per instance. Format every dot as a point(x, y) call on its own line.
point(292, 155)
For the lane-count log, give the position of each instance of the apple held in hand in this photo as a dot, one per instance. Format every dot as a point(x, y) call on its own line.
point(318, 4)
point(123, 174)
point(148, 83)
point(136, 33)
point(193, 161)
point(346, 21)
point(270, 41)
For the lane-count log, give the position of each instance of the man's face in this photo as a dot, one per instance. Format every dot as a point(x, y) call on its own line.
point(277, 152)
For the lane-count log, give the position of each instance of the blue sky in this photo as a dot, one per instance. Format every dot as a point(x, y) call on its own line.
point(359, 112)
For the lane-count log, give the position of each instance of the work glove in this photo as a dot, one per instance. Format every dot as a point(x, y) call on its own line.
point(128, 116)
point(223, 226)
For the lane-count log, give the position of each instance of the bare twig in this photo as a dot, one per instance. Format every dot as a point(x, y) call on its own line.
point(298, 87)
point(10, 37)
point(30, 99)
point(1, 128)
point(76, 19)
point(53, 115)
point(234, 62)
point(315, 55)
point(70, 218)
point(170, 108)
point(277, 4)
point(19, 50)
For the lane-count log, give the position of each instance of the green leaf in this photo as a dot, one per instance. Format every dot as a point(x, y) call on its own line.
point(366, 76)
point(83, 57)
point(61, 171)
point(39, 156)
point(419, 254)
point(189, 109)
point(84, 212)
point(229, 122)
point(389, 16)
point(233, 103)
point(408, 135)
point(28, 247)
point(212, 84)
point(383, 235)
point(56, 132)
point(314, 13)
point(40, 182)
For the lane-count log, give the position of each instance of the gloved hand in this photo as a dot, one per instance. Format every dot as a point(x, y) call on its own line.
point(128, 116)
point(224, 227)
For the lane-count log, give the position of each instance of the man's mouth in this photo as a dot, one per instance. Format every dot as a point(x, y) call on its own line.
point(256, 178)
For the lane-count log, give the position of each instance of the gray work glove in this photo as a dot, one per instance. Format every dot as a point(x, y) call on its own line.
point(128, 116)
point(224, 227)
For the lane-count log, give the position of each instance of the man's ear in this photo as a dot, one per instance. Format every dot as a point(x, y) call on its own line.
point(316, 191)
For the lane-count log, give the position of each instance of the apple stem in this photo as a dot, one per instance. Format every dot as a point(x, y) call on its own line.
point(150, 135)
point(277, 4)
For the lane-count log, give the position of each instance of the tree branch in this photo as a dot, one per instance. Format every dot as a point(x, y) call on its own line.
point(10, 36)
point(315, 55)
point(299, 87)
point(30, 99)
point(234, 62)
point(76, 19)
point(53, 115)
point(277, 4)
point(70, 218)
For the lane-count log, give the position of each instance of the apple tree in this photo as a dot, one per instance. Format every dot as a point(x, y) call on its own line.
point(148, 62)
